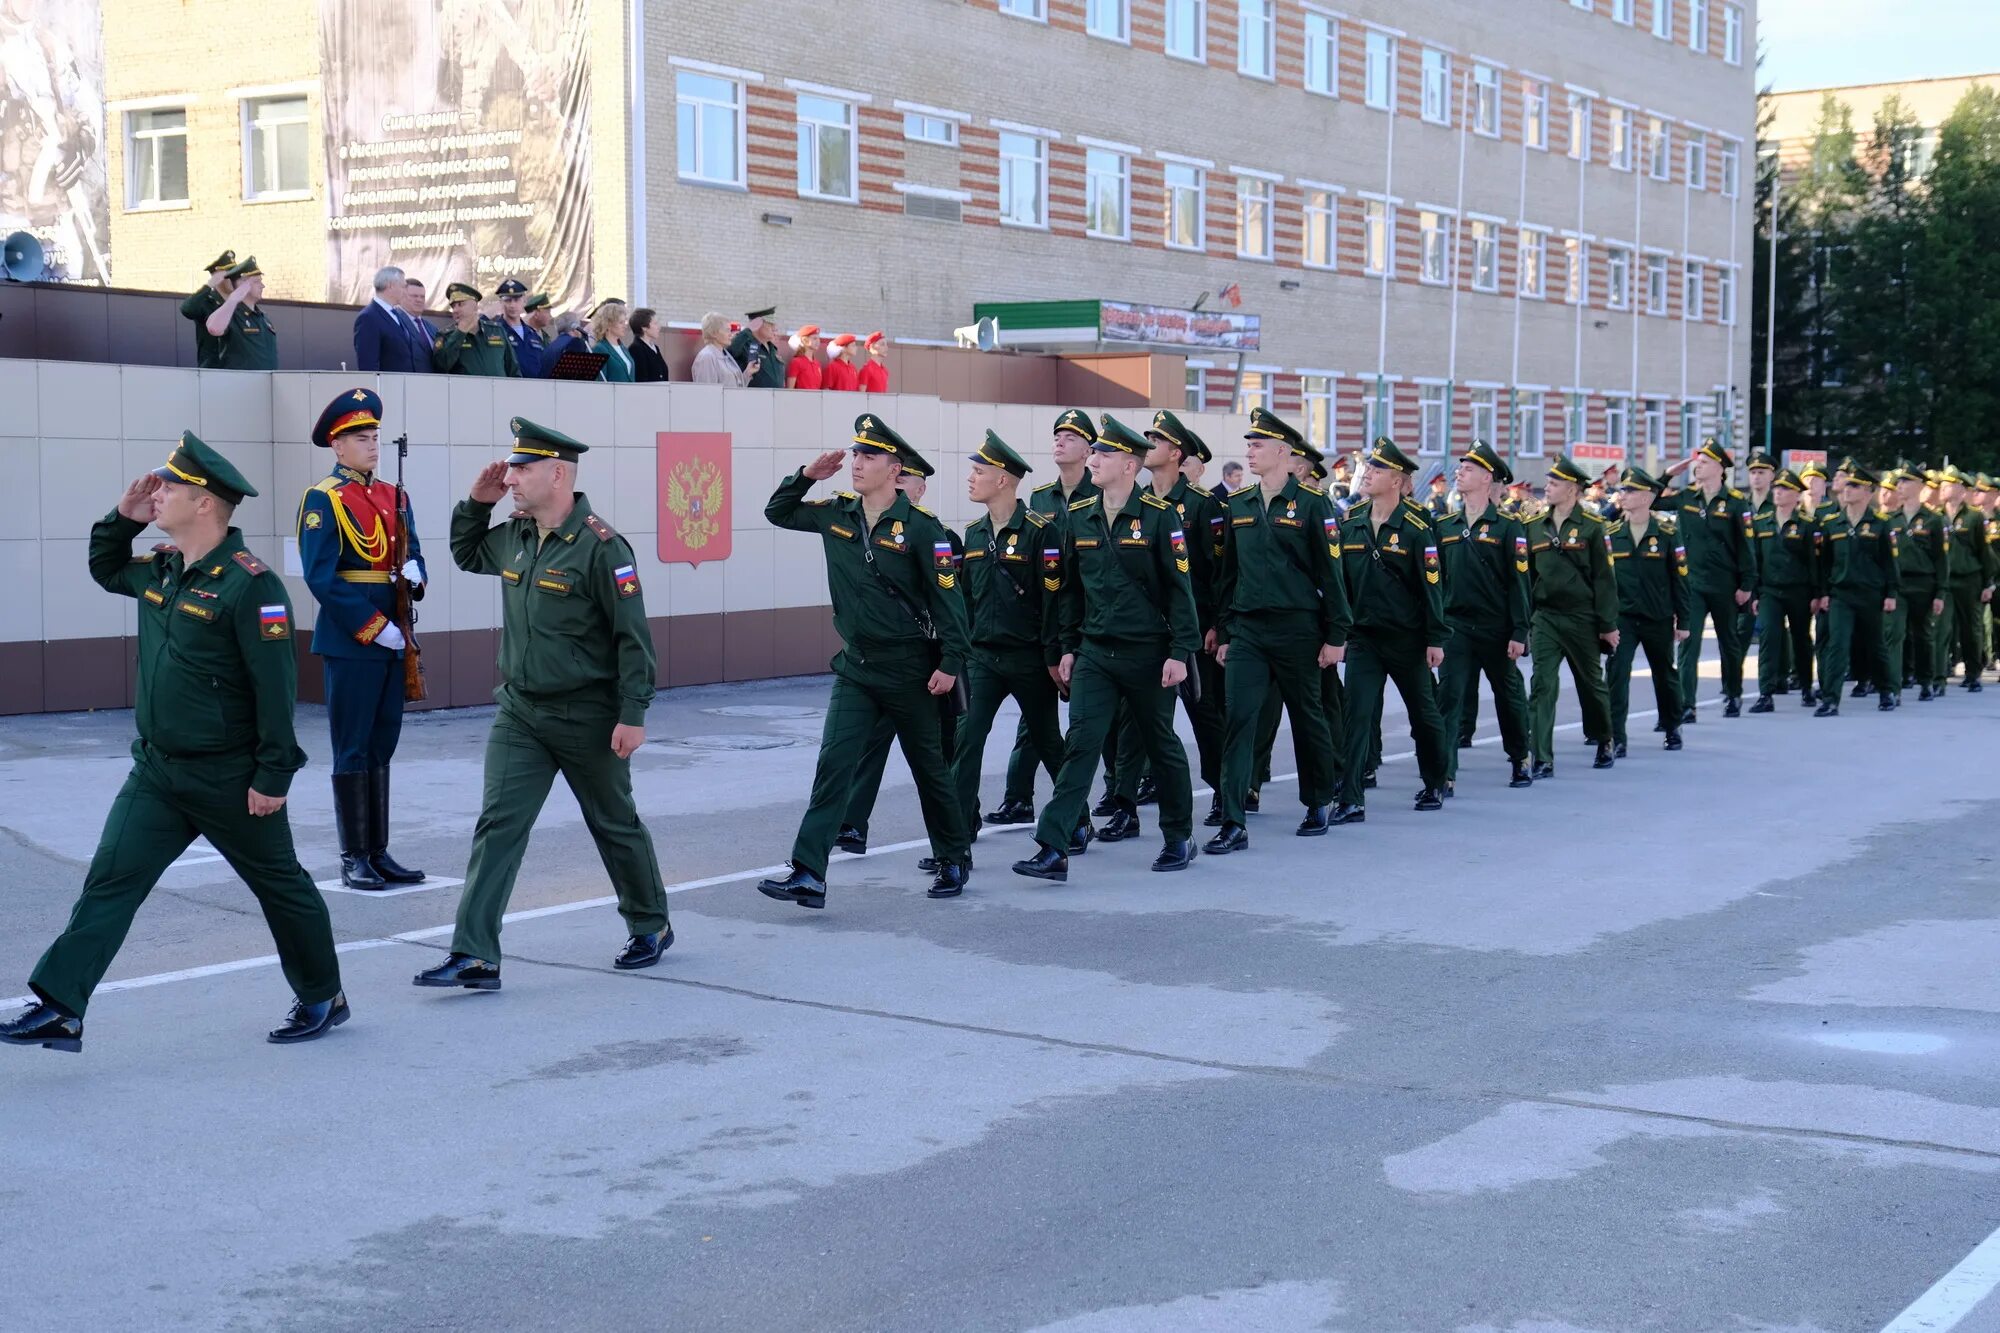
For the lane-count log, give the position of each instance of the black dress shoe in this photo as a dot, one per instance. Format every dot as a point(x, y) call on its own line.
point(1973, 686)
point(801, 887)
point(1885, 704)
point(1314, 824)
point(1618, 749)
point(1046, 863)
point(1909, 681)
point(1465, 742)
point(461, 970)
point(358, 872)
point(1147, 793)
point(1368, 779)
point(1232, 838)
point(1252, 801)
point(1688, 717)
point(309, 1021)
point(1123, 824)
point(1660, 725)
point(1807, 697)
point(46, 1026)
point(644, 950)
point(1343, 813)
point(1827, 708)
point(392, 870)
point(1450, 789)
point(1012, 812)
point(1520, 776)
point(1763, 705)
point(1673, 740)
point(1175, 856)
point(929, 864)
point(1862, 689)
point(1428, 799)
point(1544, 770)
point(851, 839)
point(1214, 819)
point(1924, 695)
point(950, 881)
point(1079, 841)
point(1604, 758)
point(1732, 707)
point(1106, 806)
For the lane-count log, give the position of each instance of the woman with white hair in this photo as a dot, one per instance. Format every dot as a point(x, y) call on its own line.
point(608, 323)
point(713, 364)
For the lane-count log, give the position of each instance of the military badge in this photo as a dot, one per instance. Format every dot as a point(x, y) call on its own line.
point(947, 575)
point(1051, 568)
point(1430, 564)
point(274, 622)
point(627, 580)
point(1520, 555)
point(1179, 541)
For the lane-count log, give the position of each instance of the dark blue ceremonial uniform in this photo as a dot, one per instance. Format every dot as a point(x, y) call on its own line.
point(529, 350)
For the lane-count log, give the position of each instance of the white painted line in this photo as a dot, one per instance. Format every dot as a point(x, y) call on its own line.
point(1955, 1295)
point(430, 882)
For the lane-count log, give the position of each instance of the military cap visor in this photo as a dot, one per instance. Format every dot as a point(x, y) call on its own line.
point(225, 260)
point(1076, 422)
point(539, 301)
point(1813, 470)
point(1565, 470)
point(1115, 437)
point(1268, 427)
point(1858, 475)
point(1384, 453)
point(1711, 449)
point(461, 291)
point(1788, 480)
point(1951, 473)
point(1761, 462)
point(247, 269)
point(1166, 426)
point(194, 463)
point(1638, 479)
point(1481, 454)
point(537, 444)
point(356, 409)
point(511, 287)
point(754, 315)
point(996, 452)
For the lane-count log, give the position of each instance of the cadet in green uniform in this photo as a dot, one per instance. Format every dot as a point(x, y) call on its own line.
point(215, 755)
point(755, 348)
point(576, 678)
point(1713, 521)
point(1923, 543)
point(1762, 470)
point(1650, 569)
point(1389, 558)
point(1127, 629)
point(1576, 607)
point(901, 621)
point(1986, 496)
point(205, 301)
point(1787, 578)
point(244, 336)
point(1485, 556)
point(1282, 620)
point(1859, 583)
point(1971, 582)
point(475, 345)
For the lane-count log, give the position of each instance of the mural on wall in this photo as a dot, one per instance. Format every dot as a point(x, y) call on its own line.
point(693, 484)
point(52, 149)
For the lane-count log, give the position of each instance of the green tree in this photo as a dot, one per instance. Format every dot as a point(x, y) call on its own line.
point(1960, 281)
point(1885, 331)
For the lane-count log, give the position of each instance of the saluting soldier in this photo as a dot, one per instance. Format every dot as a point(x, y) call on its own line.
point(901, 621)
point(347, 525)
point(1788, 543)
point(204, 301)
point(215, 755)
point(576, 678)
point(1282, 619)
point(1126, 625)
point(527, 344)
point(1650, 568)
point(1971, 580)
point(1713, 521)
point(474, 345)
point(1485, 556)
point(1859, 583)
point(244, 337)
point(1923, 543)
point(1576, 608)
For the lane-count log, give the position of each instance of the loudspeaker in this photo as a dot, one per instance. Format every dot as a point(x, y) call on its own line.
point(21, 258)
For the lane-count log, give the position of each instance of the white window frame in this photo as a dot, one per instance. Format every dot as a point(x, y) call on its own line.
point(1659, 143)
point(1485, 413)
point(1197, 388)
point(1618, 422)
point(1731, 157)
point(1585, 5)
point(1120, 27)
point(1529, 408)
point(1535, 114)
point(1437, 86)
point(1663, 20)
point(1577, 106)
point(1656, 284)
point(1653, 428)
point(1253, 389)
point(1321, 213)
point(1621, 12)
point(1433, 404)
point(1725, 293)
point(1316, 408)
point(1094, 186)
point(137, 198)
point(701, 105)
point(1697, 160)
point(1576, 415)
point(1378, 76)
point(1732, 33)
point(1038, 163)
point(1485, 100)
point(1576, 270)
point(1376, 414)
point(1322, 54)
point(1197, 15)
point(1434, 233)
point(1694, 282)
point(1618, 120)
point(1698, 26)
point(1196, 193)
point(922, 127)
point(1485, 235)
point(1534, 264)
point(1257, 34)
point(1256, 203)
point(1618, 277)
point(811, 147)
point(1378, 239)
point(260, 138)
point(1035, 11)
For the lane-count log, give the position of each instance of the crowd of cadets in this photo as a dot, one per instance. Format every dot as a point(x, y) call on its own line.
point(1121, 586)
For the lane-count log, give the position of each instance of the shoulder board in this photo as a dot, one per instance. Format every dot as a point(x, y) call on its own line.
point(251, 563)
point(1666, 522)
point(1410, 514)
point(327, 484)
point(1617, 526)
point(1085, 503)
point(845, 495)
point(1045, 486)
point(1735, 494)
point(1037, 519)
point(1311, 489)
point(165, 548)
point(1153, 501)
point(599, 527)
point(1244, 490)
point(921, 510)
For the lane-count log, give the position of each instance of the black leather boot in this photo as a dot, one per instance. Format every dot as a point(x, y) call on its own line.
point(46, 1026)
point(1314, 824)
point(950, 881)
point(461, 970)
point(644, 950)
point(1545, 769)
point(1175, 856)
point(1107, 805)
point(851, 839)
point(1829, 706)
point(1080, 840)
point(1214, 819)
point(1047, 863)
point(1430, 799)
point(1148, 792)
point(1343, 813)
point(1229, 838)
point(1123, 824)
point(1673, 740)
point(1012, 812)
point(1618, 749)
point(378, 832)
point(1252, 799)
point(1732, 707)
point(351, 822)
point(307, 1022)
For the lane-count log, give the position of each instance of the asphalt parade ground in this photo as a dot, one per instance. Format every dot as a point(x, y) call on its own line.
point(1706, 1043)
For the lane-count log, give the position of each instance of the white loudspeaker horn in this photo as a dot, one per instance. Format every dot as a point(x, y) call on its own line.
point(985, 334)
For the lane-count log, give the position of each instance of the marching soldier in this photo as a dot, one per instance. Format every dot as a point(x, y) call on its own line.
point(1763, 472)
point(1787, 574)
point(347, 528)
point(1650, 568)
point(1923, 541)
point(1576, 607)
point(576, 677)
point(475, 345)
point(244, 338)
point(1970, 582)
point(1859, 583)
point(205, 301)
point(215, 755)
point(1485, 555)
point(1127, 628)
point(901, 621)
point(1713, 521)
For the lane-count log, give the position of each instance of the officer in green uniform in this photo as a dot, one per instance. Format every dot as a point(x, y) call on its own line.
point(1485, 556)
point(1126, 624)
point(1389, 558)
point(474, 345)
point(244, 336)
point(1650, 569)
point(1971, 582)
point(1787, 577)
point(1713, 520)
point(1859, 583)
point(1762, 470)
point(1986, 498)
point(204, 301)
point(576, 678)
point(1923, 543)
point(755, 348)
point(1282, 620)
point(901, 621)
point(1576, 608)
point(215, 755)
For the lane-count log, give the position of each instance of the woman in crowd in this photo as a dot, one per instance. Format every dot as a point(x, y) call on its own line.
point(609, 324)
point(649, 364)
point(713, 364)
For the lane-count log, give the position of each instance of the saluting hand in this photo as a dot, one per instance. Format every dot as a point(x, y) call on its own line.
point(626, 740)
point(137, 502)
point(490, 484)
point(825, 465)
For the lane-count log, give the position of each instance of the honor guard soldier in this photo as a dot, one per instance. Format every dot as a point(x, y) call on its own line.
point(1576, 608)
point(901, 621)
point(1859, 583)
point(474, 345)
point(215, 755)
point(1389, 554)
point(205, 301)
point(1971, 580)
point(1127, 628)
point(244, 337)
point(527, 344)
point(576, 678)
point(1650, 568)
point(1923, 544)
point(1788, 555)
point(1485, 555)
point(348, 525)
point(1713, 521)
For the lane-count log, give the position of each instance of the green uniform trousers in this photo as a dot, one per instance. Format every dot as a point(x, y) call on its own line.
point(163, 806)
point(1468, 655)
point(1720, 608)
point(1854, 639)
point(1267, 734)
point(1021, 764)
point(1333, 705)
point(867, 784)
point(1106, 676)
point(1958, 634)
point(991, 680)
point(1205, 717)
point(1908, 638)
point(1375, 657)
point(531, 741)
point(1784, 638)
point(1657, 638)
point(1555, 639)
point(1280, 650)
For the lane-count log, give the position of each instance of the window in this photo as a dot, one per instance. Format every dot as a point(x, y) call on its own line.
point(1534, 262)
point(1576, 281)
point(1316, 409)
point(1656, 148)
point(1435, 230)
point(1620, 124)
point(1656, 284)
point(1322, 54)
point(1027, 9)
point(1621, 11)
point(1023, 180)
point(1197, 389)
point(1430, 419)
point(156, 158)
point(1697, 25)
point(826, 148)
point(1107, 191)
point(1375, 240)
point(1106, 18)
point(1485, 413)
point(1692, 296)
point(1437, 87)
point(709, 112)
point(1732, 34)
point(1256, 31)
point(1379, 88)
point(921, 128)
point(1485, 255)
point(274, 148)
point(1252, 392)
point(1725, 293)
point(1253, 218)
point(1528, 424)
point(1618, 423)
point(1579, 126)
point(1187, 29)
point(1573, 419)
point(1731, 158)
point(1663, 19)
point(1185, 188)
point(1375, 410)
point(1584, 5)
point(1318, 241)
point(1618, 276)
point(1486, 101)
point(1535, 114)
point(1697, 162)
point(1653, 428)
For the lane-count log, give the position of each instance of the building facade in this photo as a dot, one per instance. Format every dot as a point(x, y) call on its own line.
point(1795, 115)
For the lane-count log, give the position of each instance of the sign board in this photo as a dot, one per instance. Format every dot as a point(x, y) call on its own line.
point(1596, 458)
point(1124, 322)
point(692, 484)
point(1798, 458)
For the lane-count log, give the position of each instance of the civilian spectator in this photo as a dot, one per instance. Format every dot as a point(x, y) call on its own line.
point(528, 345)
point(768, 370)
point(874, 373)
point(1192, 468)
point(840, 364)
point(413, 305)
point(649, 363)
point(474, 345)
point(715, 363)
point(609, 323)
point(248, 340)
point(802, 369)
point(205, 301)
point(384, 338)
point(568, 337)
point(1232, 480)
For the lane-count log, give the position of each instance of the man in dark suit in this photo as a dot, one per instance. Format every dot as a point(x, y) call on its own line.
point(385, 337)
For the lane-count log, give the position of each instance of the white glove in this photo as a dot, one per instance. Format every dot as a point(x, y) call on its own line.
point(413, 574)
point(390, 638)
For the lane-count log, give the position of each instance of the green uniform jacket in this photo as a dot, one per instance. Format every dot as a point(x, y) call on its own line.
point(217, 678)
point(1971, 556)
point(1923, 549)
point(1394, 577)
point(1004, 589)
point(771, 366)
point(1123, 578)
point(908, 547)
point(1572, 566)
point(249, 343)
point(1651, 571)
point(1049, 499)
point(1721, 555)
point(204, 302)
point(1858, 563)
point(1485, 573)
point(1201, 520)
point(1787, 552)
point(573, 620)
point(1284, 557)
point(487, 351)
